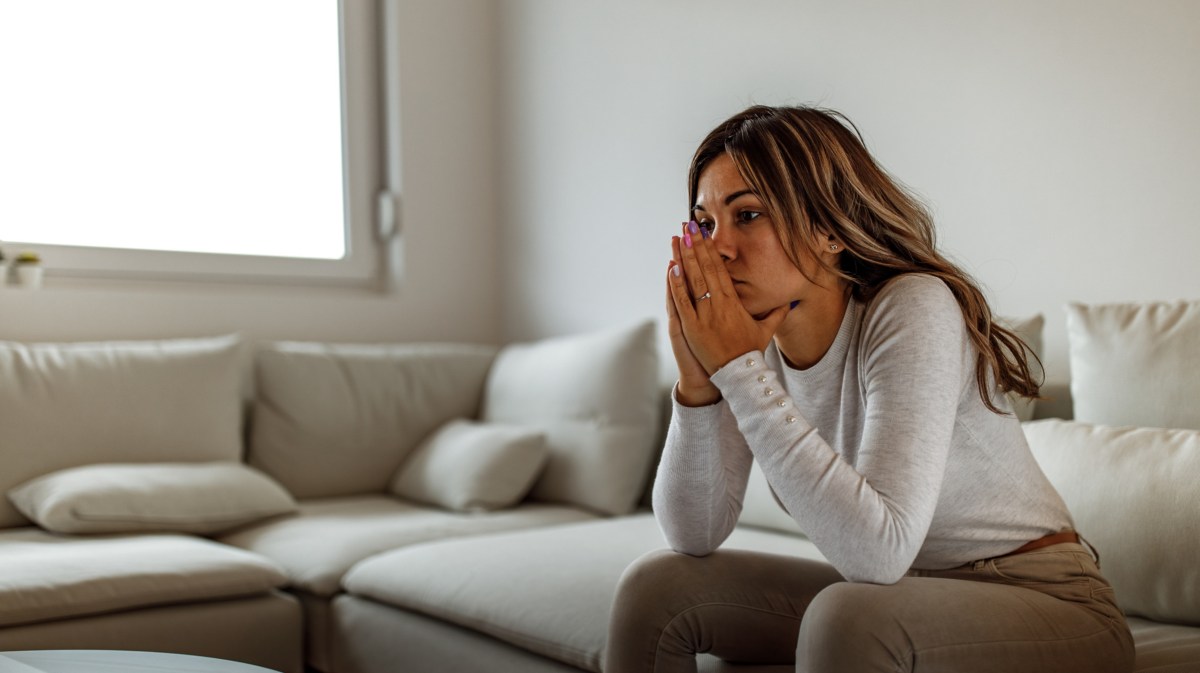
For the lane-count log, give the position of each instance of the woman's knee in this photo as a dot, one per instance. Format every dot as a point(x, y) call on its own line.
point(652, 578)
point(850, 626)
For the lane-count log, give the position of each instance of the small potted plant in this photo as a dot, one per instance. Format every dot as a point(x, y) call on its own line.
point(28, 268)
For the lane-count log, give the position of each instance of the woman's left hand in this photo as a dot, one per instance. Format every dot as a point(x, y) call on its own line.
point(715, 324)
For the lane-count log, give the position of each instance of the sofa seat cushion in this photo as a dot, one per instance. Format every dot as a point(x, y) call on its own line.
point(329, 535)
point(45, 576)
point(1165, 648)
point(516, 587)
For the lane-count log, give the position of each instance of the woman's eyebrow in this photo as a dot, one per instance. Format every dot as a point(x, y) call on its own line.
point(728, 199)
point(732, 197)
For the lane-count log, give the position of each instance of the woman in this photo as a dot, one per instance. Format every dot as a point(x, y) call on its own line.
point(819, 332)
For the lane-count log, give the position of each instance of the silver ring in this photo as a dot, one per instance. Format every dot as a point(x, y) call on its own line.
point(704, 296)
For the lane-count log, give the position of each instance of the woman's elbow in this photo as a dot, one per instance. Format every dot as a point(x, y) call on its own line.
point(874, 574)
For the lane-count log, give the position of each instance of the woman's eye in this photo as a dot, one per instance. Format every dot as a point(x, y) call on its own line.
point(706, 225)
point(748, 216)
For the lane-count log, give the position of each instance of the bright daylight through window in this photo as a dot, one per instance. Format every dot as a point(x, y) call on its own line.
point(200, 126)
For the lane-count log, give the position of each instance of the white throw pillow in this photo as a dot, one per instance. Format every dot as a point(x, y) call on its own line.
point(339, 419)
point(179, 498)
point(1134, 495)
point(472, 466)
point(66, 405)
point(1136, 363)
point(1030, 331)
point(596, 397)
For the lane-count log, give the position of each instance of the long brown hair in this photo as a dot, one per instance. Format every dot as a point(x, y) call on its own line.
point(816, 179)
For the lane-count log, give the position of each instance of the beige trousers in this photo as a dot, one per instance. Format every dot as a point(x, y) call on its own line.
point(1048, 610)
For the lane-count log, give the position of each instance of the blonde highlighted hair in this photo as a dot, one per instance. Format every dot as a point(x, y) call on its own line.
point(817, 181)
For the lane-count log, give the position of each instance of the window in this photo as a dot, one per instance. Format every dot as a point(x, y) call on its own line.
point(209, 138)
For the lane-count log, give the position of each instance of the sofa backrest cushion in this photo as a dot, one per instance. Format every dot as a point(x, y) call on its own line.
point(339, 419)
point(1136, 363)
point(596, 398)
point(66, 405)
point(1134, 495)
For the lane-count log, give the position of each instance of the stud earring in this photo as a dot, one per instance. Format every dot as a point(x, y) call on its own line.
point(833, 247)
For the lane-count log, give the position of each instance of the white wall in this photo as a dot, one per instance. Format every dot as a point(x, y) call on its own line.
point(546, 142)
point(448, 290)
point(1056, 141)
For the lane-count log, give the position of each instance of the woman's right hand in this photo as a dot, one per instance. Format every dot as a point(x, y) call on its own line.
point(694, 388)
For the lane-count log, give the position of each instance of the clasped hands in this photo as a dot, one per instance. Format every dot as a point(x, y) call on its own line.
point(706, 321)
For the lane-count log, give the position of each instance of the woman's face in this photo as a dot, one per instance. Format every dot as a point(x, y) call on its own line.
point(763, 275)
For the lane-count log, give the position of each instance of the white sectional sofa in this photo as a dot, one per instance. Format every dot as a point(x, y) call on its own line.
point(439, 507)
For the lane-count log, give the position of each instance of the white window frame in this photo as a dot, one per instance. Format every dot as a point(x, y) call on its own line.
point(370, 175)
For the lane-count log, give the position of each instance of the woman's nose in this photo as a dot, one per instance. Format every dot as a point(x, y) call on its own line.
point(723, 243)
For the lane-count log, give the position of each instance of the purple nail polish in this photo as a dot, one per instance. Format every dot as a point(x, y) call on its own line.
point(693, 227)
point(704, 232)
point(687, 240)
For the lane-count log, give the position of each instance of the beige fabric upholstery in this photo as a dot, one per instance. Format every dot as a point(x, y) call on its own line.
point(1135, 363)
point(65, 405)
point(319, 642)
point(1030, 331)
point(329, 536)
point(158, 497)
point(596, 398)
point(760, 507)
point(467, 465)
point(264, 630)
point(1134, 495)
point(1165, 648)
point(44, 576)
point(522, 595)
point(374, 638)
point(335, 420)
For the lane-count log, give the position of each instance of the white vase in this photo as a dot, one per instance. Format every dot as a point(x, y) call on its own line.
point(29, 276)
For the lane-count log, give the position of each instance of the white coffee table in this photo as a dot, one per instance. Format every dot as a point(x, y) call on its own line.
point(117, 661)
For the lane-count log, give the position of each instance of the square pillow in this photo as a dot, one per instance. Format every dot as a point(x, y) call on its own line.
point(1136, 364)
point(197, 498)
point(1134, 496)
point(69, 404)
point(597, 398)
point(473, 466)
point(1030, 331)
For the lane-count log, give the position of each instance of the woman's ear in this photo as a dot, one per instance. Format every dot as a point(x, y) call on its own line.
point(833, 244)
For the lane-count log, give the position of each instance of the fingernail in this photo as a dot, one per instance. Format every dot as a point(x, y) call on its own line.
point(693, 227)
point(794, 304)
point(675, 271)
point(687, 240)
point(704, 232)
